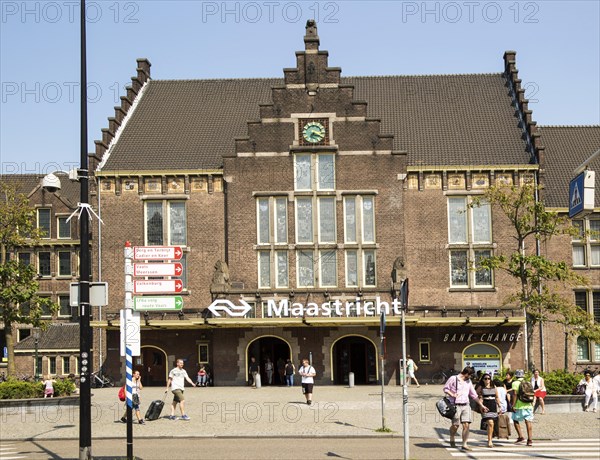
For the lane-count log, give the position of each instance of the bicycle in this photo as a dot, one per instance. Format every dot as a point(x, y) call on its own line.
point(101, 381)
point(440, 377)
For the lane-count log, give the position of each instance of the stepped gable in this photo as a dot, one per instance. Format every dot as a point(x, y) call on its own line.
point(312, 89)
point(567, 147)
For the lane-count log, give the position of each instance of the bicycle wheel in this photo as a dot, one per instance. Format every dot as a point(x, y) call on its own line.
point(438, 378)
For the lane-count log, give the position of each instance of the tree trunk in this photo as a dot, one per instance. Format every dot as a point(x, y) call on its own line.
point(10, 346)
point(530, 351)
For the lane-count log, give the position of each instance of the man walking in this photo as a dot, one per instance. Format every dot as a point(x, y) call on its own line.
point(307, 372)
point(176, 382)
point(459, 389)
point(522, 411)
point(411, 368)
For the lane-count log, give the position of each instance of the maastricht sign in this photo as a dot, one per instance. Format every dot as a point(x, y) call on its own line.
point(284, 309)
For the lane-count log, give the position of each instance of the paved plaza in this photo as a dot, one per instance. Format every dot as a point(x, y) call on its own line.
point(221, 412)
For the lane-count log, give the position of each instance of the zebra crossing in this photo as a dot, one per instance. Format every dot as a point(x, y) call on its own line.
point(8, 452)
point(543, 449)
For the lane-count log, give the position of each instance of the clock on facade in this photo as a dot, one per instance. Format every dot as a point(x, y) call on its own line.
point(313, 132)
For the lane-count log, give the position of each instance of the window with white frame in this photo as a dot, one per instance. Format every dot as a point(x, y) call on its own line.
point(306, 269)
point(314, 171)
point(65, 306)
point(66, 365)
point(470, 242)
point(586, 244)
point(43, 222)
point(166, 223)
point(64, 263)
point(271, 220)
point(359, 219)
point(304, 220)
point(44, 268)
point(64, 227)
point(588, 301)
point(327, 268)
point(52, 365)
point(272, 229)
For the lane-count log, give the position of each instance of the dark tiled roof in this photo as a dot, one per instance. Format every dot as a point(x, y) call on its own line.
point(58, 336)
point(567, 147)
point(26, 183)
point(188, 124)
point(439, 120)
point(446, 119)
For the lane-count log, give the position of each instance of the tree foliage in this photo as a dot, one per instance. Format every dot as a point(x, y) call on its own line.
point(19, 300)
point(540, 278)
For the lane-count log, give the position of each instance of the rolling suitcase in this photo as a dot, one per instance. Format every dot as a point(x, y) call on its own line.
point(155, 408)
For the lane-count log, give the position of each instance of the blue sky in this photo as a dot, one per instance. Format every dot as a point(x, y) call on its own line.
point(557, 44)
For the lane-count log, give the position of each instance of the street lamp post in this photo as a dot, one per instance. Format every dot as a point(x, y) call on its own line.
point(52, 183)
point(36, 339)
point(85, 333)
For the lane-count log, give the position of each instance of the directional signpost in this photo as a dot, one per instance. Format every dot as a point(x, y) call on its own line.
point(158, 303)
point(157, 286)
point(157, 253)
point(167, 269)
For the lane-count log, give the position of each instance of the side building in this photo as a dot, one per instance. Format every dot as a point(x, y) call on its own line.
point(56, 259)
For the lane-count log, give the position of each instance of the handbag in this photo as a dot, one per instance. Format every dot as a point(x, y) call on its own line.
point(135, 399)
point(446, 408)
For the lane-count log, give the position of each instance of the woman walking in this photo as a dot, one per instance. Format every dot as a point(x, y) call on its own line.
point(539, 389)
point(488, 396)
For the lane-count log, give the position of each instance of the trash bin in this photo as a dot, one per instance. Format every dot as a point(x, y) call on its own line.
point(351, 379)
point(257, 380)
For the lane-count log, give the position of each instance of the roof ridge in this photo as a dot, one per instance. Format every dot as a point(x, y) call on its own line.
point(569, 126)
point(215, 79)
point(429, 75)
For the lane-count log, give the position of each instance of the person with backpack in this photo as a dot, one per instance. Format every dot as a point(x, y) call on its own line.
point(523, 395)
point(290, 370)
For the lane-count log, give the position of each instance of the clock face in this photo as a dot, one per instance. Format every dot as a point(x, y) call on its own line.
point(313, 131)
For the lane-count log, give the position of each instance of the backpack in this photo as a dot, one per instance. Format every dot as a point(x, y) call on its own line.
point(122, 395)
point(525, 392)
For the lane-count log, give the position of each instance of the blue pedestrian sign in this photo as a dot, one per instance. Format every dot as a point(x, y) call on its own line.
point(581, 194)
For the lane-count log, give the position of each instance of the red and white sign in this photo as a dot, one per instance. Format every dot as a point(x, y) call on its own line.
point(157, 286)
point(157, 252)
point(173, 269)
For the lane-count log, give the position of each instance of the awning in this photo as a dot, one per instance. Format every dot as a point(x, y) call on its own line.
point(412, 321)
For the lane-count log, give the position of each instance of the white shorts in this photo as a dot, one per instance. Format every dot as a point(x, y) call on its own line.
point(463, 415)
point(411, 374)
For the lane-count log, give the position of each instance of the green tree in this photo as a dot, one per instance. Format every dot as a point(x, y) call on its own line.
point(19, 302)
point(539, 278)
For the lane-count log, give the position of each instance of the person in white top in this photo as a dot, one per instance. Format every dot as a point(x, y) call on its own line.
point(307, 372)
point(591, 392)
point(177, 378)
point(539, 388)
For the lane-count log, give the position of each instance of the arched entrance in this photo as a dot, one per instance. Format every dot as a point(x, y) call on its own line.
point(483, 357)
point(354, 354)
point(273, 348)
point(152, 364)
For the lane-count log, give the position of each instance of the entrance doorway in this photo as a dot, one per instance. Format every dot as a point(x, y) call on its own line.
point(152, 364)
point(354, 354)
point(274, 349)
